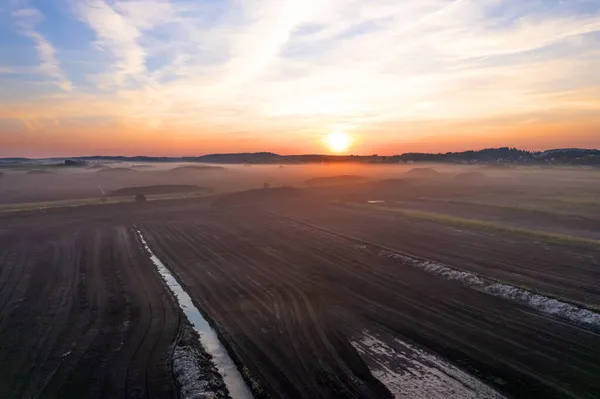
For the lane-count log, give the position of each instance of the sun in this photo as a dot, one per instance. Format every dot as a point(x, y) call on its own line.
point(338, 141)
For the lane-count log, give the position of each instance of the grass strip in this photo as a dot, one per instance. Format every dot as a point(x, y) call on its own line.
point(537, 209)
point(488, 226)
point(34, 206)
point(38, 206)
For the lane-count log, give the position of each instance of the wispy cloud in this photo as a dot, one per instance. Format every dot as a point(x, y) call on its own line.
point(305, 67)
point(26, 21)
point(117, 37)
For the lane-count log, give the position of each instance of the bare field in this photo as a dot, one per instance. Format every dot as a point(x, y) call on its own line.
point(313, 292)
point(577, 225)
point(82, 315)
point(287, 297)
point(566, 270)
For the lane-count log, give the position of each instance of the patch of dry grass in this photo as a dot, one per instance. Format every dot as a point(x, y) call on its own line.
point(38, 206)
point(550, 206)
point(487, 225)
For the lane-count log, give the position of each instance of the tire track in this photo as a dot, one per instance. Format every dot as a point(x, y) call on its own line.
point(67, 316)
point(270, 285)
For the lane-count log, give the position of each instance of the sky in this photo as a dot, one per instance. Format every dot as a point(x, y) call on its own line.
point(190, 77)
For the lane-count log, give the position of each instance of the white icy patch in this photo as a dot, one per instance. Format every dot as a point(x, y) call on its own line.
point(409, 372)
point(376, 202)
point(435, 268)
point(189, 375)
point(535, 301)
point(544, 304)
point(208, 337)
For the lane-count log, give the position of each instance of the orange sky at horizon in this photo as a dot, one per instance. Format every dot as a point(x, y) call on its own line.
point(128, 142)
point(187, 77)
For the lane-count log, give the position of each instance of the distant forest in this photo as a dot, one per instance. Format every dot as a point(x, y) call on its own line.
point(489, 156)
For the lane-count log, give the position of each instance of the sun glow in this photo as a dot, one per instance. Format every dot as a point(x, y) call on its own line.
point(338, 142)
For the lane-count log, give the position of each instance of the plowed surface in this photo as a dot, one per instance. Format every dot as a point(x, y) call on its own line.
point(83, 315)
point(576, 225)
point(286, 296)
point(570, 272)
point(294, 285)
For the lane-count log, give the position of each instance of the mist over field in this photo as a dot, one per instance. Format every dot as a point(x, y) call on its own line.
point(349, 199)
point(226, 274)
point(33, 183)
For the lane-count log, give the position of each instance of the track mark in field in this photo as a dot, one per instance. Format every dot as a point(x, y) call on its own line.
point(535, 301)
point(267, 308)
point(85, 316)
point(275, 290)
point(558, 271)
point(411, 373)
point(144, 350)
point(538, 302)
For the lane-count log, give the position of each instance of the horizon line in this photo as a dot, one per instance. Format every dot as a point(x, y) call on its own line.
point(296, 155)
